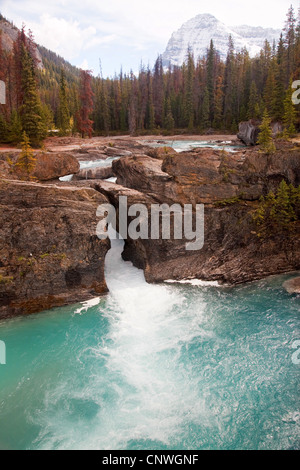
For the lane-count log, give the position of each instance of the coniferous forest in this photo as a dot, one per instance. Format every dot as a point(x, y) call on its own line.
point(204, 94)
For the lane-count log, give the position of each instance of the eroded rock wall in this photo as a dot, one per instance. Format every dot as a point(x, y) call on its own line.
point(49, 251)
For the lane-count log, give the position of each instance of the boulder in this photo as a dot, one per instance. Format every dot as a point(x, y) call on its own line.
point(49, 166)
point(117, 152)
point(292, 286)
point(52, 166)
point(248, 132)
point(160, 152)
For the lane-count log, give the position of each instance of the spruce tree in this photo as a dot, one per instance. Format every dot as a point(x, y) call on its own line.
point(205, 122)
point(290, 39)
point(278, 214)
point(284, 212)
point(158, 91)
point(253, 112)
point(265, 138)
point(3, 129)
point(189, 101)
point(15, 128)
point(85, 124)
point(26, 161)
point(169, 120)
point(211, 56)
point(270, 89)
point(31, 110)
point(218, 103)
point(280, 81)
point(151, 110)
point(63, 109)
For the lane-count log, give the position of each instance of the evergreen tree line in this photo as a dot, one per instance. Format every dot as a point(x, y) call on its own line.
point(203, 93)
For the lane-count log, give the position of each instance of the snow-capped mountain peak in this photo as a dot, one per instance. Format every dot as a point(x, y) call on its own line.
point(197, 33)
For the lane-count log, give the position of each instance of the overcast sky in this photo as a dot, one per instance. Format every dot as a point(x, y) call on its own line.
point(124, 32)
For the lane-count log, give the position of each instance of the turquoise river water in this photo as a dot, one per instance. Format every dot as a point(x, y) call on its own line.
point(172, 366)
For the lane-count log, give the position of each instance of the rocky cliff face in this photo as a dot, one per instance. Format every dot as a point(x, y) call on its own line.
point(230, 187)
point(9, 36)
point(49, 252)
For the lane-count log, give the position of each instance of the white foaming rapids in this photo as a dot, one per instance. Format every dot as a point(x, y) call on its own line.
point(139, 383)
point(148, 326)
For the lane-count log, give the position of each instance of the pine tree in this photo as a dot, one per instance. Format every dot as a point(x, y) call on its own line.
point(102, 112)
point(26, 161)
point(151, 110)
point(63, 109)
point(229, 85)
point(31, 110)
point(283, 213)
point(132, 111)
point(189, 95)
point(218, 105)
point(85, 124)
point(47, 117)
point(277, 215)
point(253, 111)
point(280, 86)
point(211, 69)
point(270, 89)
point(3, 129)
point(290, 38)
point(15, 134)
point(265, 138)
point(169, 120)
point(205, 122)
point(158, 91)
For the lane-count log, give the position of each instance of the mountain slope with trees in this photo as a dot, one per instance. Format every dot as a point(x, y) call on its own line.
point(202, 94)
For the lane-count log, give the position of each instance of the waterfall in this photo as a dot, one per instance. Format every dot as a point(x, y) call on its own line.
point(149, 325)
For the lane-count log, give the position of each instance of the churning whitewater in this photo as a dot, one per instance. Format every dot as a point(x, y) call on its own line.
point(149, 393)
point(171, 366)
point(148, 328)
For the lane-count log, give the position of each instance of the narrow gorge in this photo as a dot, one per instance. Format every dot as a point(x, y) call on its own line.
point(50, 253)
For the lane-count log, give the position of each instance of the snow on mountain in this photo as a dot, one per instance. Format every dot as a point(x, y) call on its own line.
point(198, 32)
